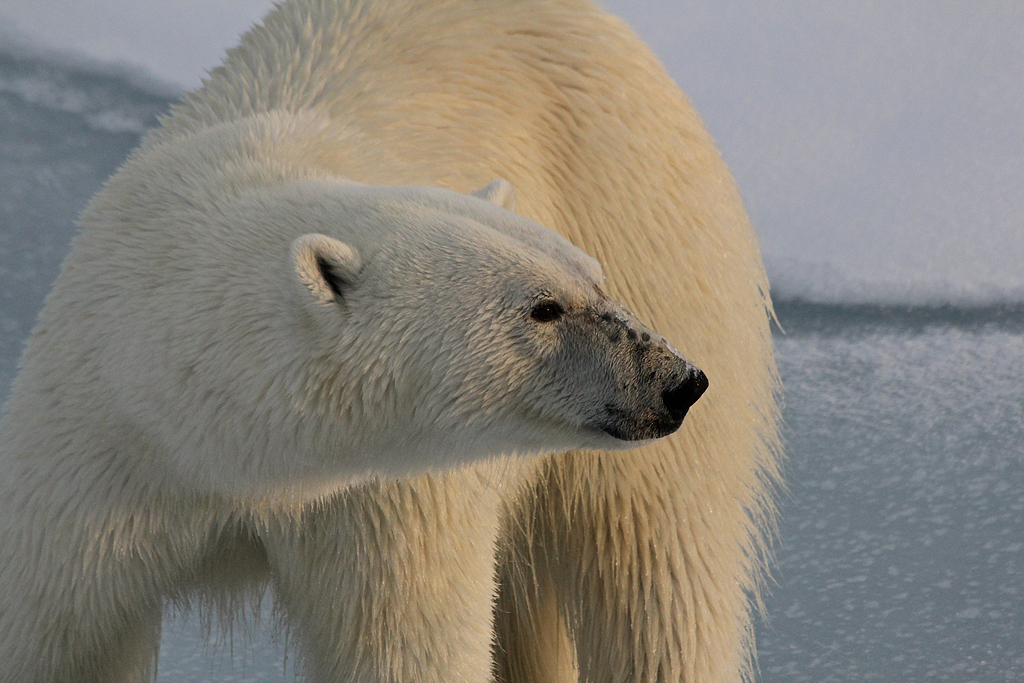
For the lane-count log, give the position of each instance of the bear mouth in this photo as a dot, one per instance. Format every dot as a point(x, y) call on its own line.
point(654, 427)
point(631, 427)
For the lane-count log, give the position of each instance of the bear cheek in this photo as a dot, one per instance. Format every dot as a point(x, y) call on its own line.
point(572, 387)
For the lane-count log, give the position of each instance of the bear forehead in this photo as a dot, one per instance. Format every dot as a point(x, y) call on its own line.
point(456, 252)
point(461, 229)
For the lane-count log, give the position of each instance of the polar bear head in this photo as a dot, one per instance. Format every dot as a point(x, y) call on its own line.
point(441, 328)
point(294, 337)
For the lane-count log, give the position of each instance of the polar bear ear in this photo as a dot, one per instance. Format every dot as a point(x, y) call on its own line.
point(498, 192)
point(325, 266)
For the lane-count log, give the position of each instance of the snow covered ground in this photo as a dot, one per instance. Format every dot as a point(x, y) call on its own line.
point(880, 148)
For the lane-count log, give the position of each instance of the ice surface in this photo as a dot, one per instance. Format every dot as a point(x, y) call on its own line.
point(900, 553)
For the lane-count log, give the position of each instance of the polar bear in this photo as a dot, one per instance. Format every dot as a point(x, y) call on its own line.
point(186, 418)
point(214, 354)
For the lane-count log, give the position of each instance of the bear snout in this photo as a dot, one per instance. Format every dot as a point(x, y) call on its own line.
point(654, 419)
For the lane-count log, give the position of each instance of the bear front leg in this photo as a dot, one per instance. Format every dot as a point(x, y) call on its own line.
point(82, 586)
point(611, 573)
point(392, 582)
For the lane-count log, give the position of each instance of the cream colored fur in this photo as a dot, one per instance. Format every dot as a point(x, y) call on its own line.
point(615, 566)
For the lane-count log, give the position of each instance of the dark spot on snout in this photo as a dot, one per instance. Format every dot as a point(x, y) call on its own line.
point(613, 327)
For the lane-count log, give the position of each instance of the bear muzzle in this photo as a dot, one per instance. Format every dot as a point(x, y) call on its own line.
point(647, 387)
point(643, 423)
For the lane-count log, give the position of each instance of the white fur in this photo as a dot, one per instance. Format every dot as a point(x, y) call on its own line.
point(134, 471)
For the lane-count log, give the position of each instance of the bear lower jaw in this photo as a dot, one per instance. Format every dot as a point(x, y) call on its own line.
point(642, 433)
point(647, 430)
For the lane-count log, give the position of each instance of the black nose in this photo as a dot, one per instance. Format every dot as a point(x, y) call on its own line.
point(679, 398)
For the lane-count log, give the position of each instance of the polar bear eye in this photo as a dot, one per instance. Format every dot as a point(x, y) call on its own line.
point(547, 311)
